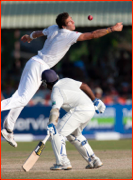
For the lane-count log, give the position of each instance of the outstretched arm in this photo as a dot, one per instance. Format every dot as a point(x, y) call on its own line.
point(100, 32)
point(33, 35)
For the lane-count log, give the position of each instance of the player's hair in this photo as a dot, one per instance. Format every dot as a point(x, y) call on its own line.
point(60, 20)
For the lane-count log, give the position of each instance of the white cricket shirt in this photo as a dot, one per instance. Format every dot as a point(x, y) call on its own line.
point(57, 44)
point(66, 93)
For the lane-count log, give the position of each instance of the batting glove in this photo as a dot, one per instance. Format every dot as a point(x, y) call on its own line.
point(99, 106)
point(51, 129)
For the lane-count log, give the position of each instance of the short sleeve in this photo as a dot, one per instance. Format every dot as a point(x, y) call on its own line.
point(45, 32)
point(56, 98)
point(50, 30)
point(75, 83)
point(74, 35)
point(78, 83)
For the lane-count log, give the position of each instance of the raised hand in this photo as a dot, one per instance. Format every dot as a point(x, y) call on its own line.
point(117, 27)
point(26, 38)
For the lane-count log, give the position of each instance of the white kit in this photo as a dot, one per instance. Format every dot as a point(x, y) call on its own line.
point(66, 94)
point(57, 44)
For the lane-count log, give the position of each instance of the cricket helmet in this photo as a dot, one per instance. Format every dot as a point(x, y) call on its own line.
point(49, 76)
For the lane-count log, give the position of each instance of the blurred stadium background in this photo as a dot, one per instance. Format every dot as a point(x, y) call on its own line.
point(105, 64)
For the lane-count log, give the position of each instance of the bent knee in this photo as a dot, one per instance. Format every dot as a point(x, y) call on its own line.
point(71, 138)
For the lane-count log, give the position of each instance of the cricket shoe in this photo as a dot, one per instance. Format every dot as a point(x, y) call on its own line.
point(61, 167)
point(66, 163)
point(96, 164)
point(8, 137)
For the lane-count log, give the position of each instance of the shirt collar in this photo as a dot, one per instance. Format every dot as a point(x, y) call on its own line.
point(64, 30)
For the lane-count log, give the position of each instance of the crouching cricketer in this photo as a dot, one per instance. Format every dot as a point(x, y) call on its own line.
point(78, 100)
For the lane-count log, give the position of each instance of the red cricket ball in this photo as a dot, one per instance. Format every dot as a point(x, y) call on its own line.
point(90, 17)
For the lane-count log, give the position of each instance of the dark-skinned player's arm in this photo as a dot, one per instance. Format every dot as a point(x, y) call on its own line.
point(87, 90)
point(98, 104)
point(33, 35)
point(100, 32)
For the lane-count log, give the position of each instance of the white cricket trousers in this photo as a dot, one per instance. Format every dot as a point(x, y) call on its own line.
point(29, 83)
point(74, 122)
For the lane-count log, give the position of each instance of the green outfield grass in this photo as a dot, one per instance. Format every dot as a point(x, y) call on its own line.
point(116, 157)
point(96, 145)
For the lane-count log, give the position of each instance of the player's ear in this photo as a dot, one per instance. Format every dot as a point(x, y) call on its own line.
point(64, 27)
